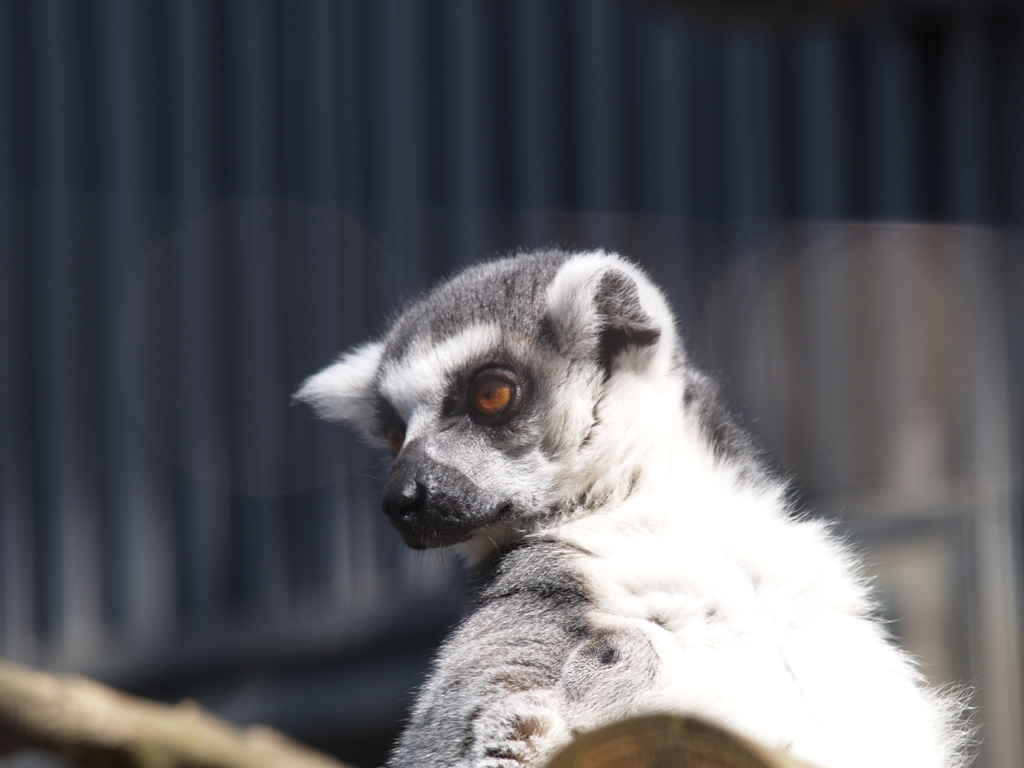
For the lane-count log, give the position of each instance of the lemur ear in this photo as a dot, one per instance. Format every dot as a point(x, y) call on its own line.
point(344, 390)
point(602, 305)
point(623, 320)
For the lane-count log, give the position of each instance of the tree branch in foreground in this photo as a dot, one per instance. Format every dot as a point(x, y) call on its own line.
point(668, 741)
point(98, 727)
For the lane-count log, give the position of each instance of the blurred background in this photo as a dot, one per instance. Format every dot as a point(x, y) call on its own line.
point(202, 202)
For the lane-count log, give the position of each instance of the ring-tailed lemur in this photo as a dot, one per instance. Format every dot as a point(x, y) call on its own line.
point(633, 554)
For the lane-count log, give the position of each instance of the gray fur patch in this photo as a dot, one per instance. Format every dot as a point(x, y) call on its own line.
point(487, 659)
point(507, 291)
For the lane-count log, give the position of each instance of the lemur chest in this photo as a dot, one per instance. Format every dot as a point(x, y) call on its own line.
point(671, 626)
point(677, 623)
point(684, 586)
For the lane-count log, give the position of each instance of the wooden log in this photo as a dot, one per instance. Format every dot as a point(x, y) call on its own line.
point(98, 727)
point(668, 741)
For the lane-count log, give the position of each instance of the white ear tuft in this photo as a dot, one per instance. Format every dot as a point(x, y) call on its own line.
point(599, 303)
point(344, 390)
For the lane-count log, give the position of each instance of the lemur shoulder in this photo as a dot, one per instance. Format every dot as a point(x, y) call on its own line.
point(633, 554)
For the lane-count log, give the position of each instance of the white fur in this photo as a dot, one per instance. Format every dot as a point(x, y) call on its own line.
point(786, 655)
point(758, 625)
point(344, 390)
point(638, 408)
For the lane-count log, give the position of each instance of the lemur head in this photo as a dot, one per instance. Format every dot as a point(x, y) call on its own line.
point(513, 392)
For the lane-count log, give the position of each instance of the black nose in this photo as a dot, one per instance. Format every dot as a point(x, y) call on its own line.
point(404, 499)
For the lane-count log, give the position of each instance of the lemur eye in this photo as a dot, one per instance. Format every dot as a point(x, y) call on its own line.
point(396, 439)
point(491, 394)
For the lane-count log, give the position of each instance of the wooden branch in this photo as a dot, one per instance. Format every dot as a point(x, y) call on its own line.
point(668, 741)
point(99, 727)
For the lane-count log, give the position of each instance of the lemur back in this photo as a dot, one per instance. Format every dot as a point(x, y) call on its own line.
point(633, 554)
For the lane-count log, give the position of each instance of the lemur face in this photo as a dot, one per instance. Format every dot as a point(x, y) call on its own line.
point(486, 390)
point(464, 420)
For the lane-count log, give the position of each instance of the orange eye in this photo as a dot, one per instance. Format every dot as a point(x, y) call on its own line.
point(396, 439)
point(493, 396)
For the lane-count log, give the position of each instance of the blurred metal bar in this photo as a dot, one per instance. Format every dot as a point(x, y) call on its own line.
point(17, 635)
point(661, 164)
point(705, 139)
point(196, 91)
point(349, 31)
point(535, 170)
point(820, 142)
point(603, 111)
point(893, 111)
point(1011, 100)
point(743, 128)
point(389, 120)
point(466, 126)
point(140, 581)
point(313, 258)
point(255, 293)
point(196, 252)
point(969, 135)
point(67, 566)
point(662, 94)
point(601, 68)
point(772, 160)
point(751, 129)
point(318, 76)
